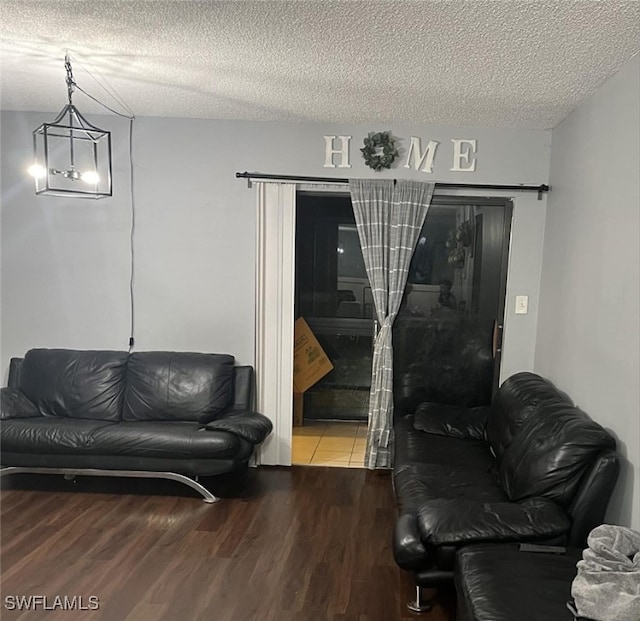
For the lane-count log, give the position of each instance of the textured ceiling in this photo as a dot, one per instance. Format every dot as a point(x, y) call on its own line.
point(476, 63)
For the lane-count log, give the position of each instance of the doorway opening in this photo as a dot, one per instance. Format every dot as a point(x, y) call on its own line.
point(333, 296)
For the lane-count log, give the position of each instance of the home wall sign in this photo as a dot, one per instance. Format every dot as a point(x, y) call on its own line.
point(463, 150)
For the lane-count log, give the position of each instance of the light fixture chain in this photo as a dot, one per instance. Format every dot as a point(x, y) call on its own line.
point(71, 83)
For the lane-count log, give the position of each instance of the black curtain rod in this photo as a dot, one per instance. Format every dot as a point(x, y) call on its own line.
point(484, 186)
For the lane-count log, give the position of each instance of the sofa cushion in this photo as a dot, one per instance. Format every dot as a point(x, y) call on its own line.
point(417, 483)
point(413, 446)
point(175, 386)
point(497, 582)
point(168, 439)
point(14, 404)
point(457, 521)
point(551, 454)
point(49, 435)
point(519, 397)
point(451, 420)
point(75, 384)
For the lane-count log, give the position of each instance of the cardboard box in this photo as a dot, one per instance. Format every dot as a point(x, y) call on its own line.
point(310, 365)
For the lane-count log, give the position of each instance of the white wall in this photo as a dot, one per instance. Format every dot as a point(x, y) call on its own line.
point(65, 262)
point(589, 318)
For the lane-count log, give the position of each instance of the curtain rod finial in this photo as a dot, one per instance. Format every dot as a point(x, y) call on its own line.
point(541, 189)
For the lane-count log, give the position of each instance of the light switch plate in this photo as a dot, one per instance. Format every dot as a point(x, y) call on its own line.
point(522, 304)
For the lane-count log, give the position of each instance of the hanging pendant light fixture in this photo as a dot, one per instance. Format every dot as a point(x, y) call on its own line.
point(72, 157)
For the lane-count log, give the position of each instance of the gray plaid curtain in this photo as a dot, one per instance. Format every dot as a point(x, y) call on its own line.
point(389, 219)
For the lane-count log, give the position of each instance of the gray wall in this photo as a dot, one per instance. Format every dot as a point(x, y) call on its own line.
point(589, 318)
point(65, 262)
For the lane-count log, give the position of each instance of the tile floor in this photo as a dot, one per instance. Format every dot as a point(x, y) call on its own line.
point(329, 444)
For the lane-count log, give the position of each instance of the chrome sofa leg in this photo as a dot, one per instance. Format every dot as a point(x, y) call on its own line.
point(420, 604)
point(207, 496)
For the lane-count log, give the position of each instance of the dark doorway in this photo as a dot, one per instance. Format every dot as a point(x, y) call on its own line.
point(330, 294)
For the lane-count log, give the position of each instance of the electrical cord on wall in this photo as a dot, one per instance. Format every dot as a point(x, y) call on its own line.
point(131, 236)
point(131, 116)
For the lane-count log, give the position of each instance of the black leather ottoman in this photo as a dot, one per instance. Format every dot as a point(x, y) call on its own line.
point(498, 582)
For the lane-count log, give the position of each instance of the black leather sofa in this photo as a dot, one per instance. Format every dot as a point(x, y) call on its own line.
point(529, 467)
point(146, 414)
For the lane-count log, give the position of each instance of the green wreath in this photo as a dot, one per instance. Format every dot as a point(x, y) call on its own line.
point(373, 157)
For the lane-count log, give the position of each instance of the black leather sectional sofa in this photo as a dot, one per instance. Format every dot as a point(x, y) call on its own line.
point(149, 414)
point(531, 467)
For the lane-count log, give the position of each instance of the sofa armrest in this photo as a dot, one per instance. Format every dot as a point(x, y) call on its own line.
point(246, 424)
point(408, 550)
point(15, 404)
point(452, 420)
point(460, 521)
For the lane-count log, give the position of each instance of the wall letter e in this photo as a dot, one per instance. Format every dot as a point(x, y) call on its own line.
point(460, 156)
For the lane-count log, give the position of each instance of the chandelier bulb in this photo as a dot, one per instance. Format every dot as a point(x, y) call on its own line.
point(37, 171)
point(90, 176)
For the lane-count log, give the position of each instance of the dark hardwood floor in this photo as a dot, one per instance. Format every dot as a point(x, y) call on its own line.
point(300, 543)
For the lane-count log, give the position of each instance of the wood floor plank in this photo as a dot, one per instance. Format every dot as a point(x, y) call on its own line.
point(295, 544)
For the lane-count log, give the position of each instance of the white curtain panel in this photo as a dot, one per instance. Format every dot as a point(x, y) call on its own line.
point(389, 218)
point(275, 268)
